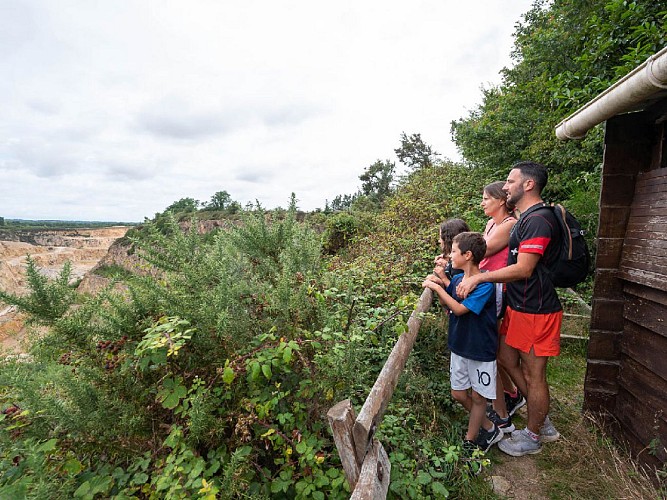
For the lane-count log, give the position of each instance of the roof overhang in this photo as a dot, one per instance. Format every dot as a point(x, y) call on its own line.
point(637, 90)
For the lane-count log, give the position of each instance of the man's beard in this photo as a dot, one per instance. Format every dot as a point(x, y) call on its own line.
point(514, 200)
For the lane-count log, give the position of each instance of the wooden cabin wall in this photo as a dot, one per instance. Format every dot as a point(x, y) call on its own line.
point(626, 378)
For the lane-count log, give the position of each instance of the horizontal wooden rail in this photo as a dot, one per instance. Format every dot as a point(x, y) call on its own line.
point(378, 399)
point(578, 298)
point(572, 315)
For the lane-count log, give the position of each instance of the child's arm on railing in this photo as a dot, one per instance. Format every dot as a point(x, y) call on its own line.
point(445, 299)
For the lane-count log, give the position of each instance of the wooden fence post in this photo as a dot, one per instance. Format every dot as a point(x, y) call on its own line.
point(365, 462)
point(374, 477)
point(341, 419)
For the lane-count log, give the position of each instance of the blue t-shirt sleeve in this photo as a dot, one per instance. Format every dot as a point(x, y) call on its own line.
point(478, 297)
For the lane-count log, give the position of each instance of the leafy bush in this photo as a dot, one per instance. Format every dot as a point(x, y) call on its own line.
point(341, 229)
point(49, 300)
point(112, 271)
point(211, 362)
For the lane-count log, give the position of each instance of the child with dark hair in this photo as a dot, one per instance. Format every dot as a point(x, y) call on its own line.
point(472, 339)
point(443, 270)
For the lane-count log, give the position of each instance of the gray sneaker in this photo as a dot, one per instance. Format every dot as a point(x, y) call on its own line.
point(548, 433)
point(520, 444)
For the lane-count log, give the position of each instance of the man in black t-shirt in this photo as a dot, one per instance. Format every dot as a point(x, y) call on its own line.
point(533, 317)
point(536, 232)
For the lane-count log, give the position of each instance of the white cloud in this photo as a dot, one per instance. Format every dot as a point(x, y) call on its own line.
point(113, 110)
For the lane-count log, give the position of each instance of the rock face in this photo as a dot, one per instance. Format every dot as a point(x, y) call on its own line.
point(83, 248)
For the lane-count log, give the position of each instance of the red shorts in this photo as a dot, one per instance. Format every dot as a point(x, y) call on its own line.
point(526, 331)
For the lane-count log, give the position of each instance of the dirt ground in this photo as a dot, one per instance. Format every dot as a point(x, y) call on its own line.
point(12, 330)
point(518, 478)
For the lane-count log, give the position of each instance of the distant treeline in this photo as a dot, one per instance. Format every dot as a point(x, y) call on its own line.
point(22, 224)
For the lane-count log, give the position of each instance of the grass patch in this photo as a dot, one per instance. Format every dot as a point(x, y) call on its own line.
point(113, 271)
point(586, 464)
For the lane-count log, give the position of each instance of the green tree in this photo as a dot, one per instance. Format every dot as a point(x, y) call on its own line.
point(219, 201)
point(414, 152)
point(343, 202)
point(223, 202)
point(377, 179)
point(565, 53)
point(184, 205)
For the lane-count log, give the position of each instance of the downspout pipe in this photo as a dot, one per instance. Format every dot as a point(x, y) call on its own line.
point(640, 84)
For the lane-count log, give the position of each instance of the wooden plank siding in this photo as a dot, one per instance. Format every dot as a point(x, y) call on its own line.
point(628, 151)
point(640, 412)
point(641, 399)
point(636, 378)
point(628, 410)
point(646, 347)
point(646, 313)
point(644, 255)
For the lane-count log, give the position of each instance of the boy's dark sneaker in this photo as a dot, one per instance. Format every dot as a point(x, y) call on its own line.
point(486, 439)
point(504, 424)
point(514, 403)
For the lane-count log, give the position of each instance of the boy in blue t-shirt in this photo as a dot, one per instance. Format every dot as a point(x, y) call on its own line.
point(472, 338)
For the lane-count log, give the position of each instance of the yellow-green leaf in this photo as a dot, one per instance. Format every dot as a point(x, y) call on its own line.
point(228, 375)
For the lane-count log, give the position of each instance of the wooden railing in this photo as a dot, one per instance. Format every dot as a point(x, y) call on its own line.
point(364, 460)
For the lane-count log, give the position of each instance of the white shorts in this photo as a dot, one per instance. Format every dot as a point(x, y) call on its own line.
point(465, 373)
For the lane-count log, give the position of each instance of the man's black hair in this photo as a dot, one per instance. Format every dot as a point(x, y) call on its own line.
point(535, 171)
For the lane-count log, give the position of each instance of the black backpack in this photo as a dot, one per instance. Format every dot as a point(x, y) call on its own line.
point(573, 264)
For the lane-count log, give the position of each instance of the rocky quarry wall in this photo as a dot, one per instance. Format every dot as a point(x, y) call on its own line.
point(83, 248)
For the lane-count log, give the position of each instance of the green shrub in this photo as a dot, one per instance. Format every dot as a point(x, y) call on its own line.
point(210, 360)
point(49, 300)
point(112, 271)
point(341, 230)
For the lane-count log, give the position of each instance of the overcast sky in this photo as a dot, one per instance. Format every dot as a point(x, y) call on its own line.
point(112, 110)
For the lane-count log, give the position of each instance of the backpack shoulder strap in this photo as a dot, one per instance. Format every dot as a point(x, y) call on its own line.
point(542, 267)
point(561, 215)
point(539, 206)
point(534, 208)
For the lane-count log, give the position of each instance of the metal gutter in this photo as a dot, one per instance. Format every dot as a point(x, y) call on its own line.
point(625, 95)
